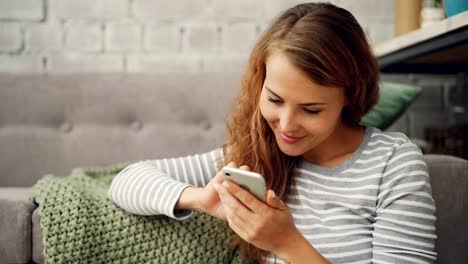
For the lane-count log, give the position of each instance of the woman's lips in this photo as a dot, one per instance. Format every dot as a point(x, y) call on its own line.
point(289, 139)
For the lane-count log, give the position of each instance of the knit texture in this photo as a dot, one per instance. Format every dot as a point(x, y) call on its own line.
point(80, 224)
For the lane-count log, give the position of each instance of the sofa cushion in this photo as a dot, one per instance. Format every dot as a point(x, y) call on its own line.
point(394, 99)
point(449, 181)
point(15, 225)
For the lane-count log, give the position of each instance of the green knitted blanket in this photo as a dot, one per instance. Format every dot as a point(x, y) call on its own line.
point(80, 224)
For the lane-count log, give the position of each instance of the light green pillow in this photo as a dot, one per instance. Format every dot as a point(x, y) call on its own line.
point(394, 99)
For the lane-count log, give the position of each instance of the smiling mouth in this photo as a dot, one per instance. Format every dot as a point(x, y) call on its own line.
point(289, 139)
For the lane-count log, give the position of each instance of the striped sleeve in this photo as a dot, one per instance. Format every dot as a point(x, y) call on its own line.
point(153, 187)
point(404, 228)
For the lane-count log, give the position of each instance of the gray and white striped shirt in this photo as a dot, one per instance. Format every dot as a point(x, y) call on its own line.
point(376, 207)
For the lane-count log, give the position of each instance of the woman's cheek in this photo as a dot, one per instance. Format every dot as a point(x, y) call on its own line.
point(268, 112)
point(327, 121)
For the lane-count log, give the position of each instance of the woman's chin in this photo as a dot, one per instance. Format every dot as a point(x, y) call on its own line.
point(290, 150)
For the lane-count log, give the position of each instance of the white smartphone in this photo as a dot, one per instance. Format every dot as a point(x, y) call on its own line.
point(251, 181)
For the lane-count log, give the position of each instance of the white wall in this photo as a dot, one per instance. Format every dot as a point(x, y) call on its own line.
point(149, 35)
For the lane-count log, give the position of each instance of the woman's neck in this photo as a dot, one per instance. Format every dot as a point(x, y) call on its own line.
point(338, 147)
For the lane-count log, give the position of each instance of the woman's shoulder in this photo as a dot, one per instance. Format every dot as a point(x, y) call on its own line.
point(394, 145)
point(388, 136)
point(391, 144)
point(394, 138)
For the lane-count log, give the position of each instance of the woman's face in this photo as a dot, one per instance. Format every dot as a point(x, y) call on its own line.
point(295, 106)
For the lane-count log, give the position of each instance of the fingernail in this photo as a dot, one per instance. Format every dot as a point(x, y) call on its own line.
point(273, 194)
point(226, 184)
point(216, 186)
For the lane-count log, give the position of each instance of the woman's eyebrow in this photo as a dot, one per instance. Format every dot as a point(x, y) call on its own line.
point(305, 104)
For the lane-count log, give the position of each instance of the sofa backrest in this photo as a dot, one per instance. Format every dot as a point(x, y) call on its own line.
point(53, 123)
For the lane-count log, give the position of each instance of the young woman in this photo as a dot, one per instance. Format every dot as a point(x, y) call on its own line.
point(338, 192)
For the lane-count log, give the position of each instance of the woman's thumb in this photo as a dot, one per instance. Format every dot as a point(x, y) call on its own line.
point(273, 200)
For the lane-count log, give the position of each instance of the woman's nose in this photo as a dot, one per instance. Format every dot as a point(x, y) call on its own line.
point(288, 121)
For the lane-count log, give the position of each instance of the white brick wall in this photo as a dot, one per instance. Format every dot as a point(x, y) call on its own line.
point(84, 36)
point(43, 37)
point(123, 36)
point(21, 63)
point(88, 9)
point(26, 10)
point(239, 37)
point(79, 62)
point(10, 37)
point(164, 10)
point(224, 63)
point(274, 8)
point(163, 63)
point(149, 35)
point(163, 38)
point(201, 39)
point(239, 10)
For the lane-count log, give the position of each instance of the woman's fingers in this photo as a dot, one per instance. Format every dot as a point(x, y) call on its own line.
point(244, 167)
point(233, 164)
point(232, 205)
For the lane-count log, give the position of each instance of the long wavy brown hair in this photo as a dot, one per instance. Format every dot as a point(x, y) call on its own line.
point(327, 44)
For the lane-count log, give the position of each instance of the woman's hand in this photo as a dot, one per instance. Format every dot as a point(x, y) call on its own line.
point(209, 201)
point(268, 226)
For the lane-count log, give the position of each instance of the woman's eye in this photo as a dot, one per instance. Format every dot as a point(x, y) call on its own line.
point(274, 100)
point(314, 112)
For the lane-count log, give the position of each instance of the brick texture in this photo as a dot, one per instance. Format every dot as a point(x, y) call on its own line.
point(44, 37)
point(21, 63)
point(10, 37)
point(202, 39)
point(239, 37)
point(239, 10)
point(163, 10)
point(83, 37)
point(163, 37)
point(124, 36)
point(76, 62)
point(89, 9)
point(22, 10)
point(150, 35)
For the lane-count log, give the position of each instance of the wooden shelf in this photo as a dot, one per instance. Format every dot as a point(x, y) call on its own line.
point(441, 48)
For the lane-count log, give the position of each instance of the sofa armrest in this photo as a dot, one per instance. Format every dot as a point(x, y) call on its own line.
point(15, 225)
point(37, 246)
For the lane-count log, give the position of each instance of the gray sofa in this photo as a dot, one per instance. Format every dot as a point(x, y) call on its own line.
point(53, 123)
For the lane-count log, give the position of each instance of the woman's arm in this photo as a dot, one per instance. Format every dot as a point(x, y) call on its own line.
point(154, 187)
point(404, 228)
point(189, 199)
point(300, 251)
